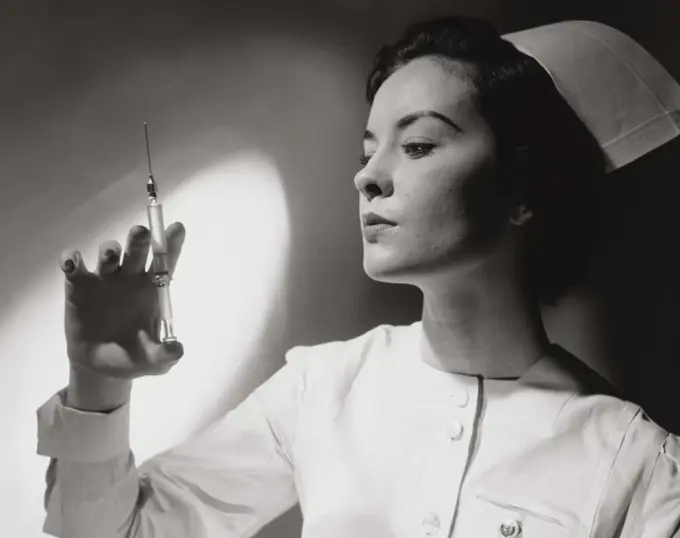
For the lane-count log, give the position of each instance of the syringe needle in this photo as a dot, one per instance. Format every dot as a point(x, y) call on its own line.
point(151, 187)
point(148, 152)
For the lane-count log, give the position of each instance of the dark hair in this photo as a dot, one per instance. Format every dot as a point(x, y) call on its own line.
point(548, 156)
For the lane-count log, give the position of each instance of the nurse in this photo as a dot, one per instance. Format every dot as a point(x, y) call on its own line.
point(479, 151)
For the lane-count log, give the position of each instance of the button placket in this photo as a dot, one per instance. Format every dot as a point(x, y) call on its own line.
point(455, 416)
point(460, 397)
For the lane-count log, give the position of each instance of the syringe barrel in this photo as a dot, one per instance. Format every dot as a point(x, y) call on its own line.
point(159, 248)
point(164, 303)
point(165, 306)
point(159, 267)
point(159, 242)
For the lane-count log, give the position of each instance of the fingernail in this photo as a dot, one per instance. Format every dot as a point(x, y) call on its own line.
point(111, 256)
point(140, 241)
point(175, 348)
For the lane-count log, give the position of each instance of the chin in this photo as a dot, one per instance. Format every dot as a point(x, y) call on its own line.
point(393, 271)
point(388, 277)
point(416, 271)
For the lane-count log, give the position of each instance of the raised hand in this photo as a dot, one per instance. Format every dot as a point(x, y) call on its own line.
point(112, 314)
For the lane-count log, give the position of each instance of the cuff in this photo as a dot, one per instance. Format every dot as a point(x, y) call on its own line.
point(81, 436)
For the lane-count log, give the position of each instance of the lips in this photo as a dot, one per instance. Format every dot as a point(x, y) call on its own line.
point(375, 226)
point(373, 219)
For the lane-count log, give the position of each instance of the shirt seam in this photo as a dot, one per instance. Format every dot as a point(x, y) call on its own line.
point(596, 512)
point(562, 407)
point(300, 400)
point(280, 445)
point(649, 471)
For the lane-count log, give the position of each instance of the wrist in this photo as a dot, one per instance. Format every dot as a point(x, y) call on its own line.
point(90, 391)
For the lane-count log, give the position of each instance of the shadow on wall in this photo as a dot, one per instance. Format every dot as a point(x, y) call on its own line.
point(623, 321)
point(635, 284)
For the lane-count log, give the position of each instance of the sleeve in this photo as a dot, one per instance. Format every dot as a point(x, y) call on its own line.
point(229, 481)
point(658, 513)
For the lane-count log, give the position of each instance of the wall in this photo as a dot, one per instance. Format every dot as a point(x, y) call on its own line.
point(256, 112)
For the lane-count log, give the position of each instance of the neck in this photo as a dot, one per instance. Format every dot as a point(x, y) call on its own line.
point(483, 325)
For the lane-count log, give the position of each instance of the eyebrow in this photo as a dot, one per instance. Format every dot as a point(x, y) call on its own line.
point(410, 119)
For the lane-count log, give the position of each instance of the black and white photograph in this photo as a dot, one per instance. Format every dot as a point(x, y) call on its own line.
point(340, 269)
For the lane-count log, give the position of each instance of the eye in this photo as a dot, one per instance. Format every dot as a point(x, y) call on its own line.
point(416, 150)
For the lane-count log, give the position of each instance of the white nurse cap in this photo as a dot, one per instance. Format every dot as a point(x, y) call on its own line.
point(628, 101)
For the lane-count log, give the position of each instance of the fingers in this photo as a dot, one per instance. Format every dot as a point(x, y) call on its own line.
point(109, 256)
point(176, 233)
point(137, 357)
point(72, 264)
point(160, 356)
point(134, 259)
point(153, 328)
point(136, 250)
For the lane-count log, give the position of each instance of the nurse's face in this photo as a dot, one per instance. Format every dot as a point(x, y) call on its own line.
point(429, 199)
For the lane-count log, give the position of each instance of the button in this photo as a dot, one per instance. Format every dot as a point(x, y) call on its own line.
point(431, 524)
point(455, 431)
point(461, 397)
point(510, 529)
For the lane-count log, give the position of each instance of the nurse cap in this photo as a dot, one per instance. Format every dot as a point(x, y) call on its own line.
point(626, 99)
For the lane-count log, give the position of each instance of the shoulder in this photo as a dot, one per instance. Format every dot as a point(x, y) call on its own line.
point(352, 354)
point(643, 457)
point(621, 425)
point(633, 462)
point(654, 448)
point(337, 364)
point(647, 468)
point(597, 410)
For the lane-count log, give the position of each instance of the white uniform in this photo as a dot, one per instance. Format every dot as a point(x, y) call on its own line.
point(374, 443)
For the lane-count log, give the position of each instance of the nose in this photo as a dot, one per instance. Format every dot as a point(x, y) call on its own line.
point(374, 181)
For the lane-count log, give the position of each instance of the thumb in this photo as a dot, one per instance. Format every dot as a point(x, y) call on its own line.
point(161, 356)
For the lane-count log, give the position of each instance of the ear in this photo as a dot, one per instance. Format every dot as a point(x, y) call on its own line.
point(521, 214)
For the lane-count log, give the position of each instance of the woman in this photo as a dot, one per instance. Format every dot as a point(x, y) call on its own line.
point(469, 423)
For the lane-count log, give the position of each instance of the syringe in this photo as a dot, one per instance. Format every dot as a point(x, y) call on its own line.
point(159, 248)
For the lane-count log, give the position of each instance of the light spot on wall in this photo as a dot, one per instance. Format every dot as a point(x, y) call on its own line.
point(227, 280)
point(226, 285)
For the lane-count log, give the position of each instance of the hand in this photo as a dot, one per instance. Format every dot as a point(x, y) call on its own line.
point(112, 317)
